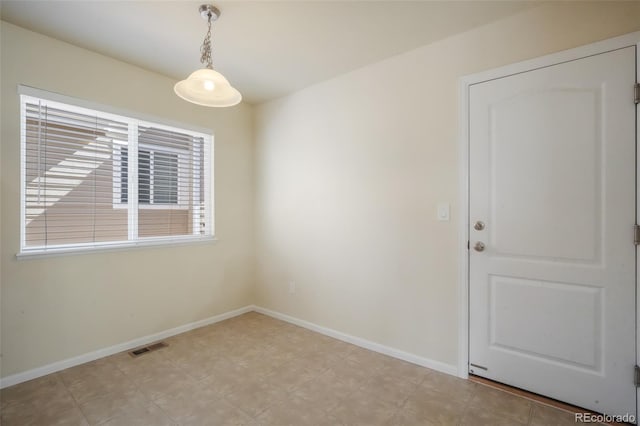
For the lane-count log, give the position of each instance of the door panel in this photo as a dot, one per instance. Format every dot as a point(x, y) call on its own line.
point(575, 343)
point(540, 146)
point(552, 177)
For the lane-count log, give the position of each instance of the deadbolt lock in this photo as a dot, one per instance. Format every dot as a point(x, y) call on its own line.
point(479, 246)
point(478, 226)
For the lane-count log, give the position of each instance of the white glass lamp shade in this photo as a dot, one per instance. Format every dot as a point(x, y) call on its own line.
point(207, 87)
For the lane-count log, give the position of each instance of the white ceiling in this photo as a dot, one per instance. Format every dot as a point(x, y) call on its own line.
point(265, 49)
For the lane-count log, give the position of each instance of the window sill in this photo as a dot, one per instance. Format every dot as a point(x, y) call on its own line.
point(119, 246)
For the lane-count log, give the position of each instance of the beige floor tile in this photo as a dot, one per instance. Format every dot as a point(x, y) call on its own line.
point(259, 360)
point(305, 341)
point(116, 404)
point(289, 376)
point(238, 356)
point(338, 347)
point(224, 343)
point(103, 367)
point(295, 411)
point(256, 397)
point(325, 392)
point(278, 354)
point(18, 414)
point(542, 415)
point(350, 372)
point(432, 407)
point(199, 364)
point(184, 350)
point(369, 359)
point(92, 386)
point(198, 370)
point(222, 347)
point(387, 388)
point(218, 413)
point(166, 383)
point(227, 377)
point(54, 414)
point(498, 403)
point(71, 417)
point(410, 418)
point(144, 367)
point(359, 409)
point(261, 366)
point(187, 401)
point(39, 392)
point(37, 400)
point(317, 362)
point(283, 349)
point(474, 416)
point(244, 351)
point(147, 416)
point(406, 371)
point(254, 370)
point(453, 386)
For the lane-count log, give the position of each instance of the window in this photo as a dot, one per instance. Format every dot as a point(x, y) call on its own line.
point(93, 179)
point(157, 177)
point(161, 177)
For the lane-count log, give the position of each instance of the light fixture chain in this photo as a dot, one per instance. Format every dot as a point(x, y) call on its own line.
point(205, 50)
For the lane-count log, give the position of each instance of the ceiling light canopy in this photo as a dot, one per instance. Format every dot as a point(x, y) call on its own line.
point(206, 86)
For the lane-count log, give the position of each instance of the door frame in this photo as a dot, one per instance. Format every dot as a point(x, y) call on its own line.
point(632, 39)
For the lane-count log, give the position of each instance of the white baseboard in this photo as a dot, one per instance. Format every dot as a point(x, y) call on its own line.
point(367, 344)
point(131, 344)
point(141, 341)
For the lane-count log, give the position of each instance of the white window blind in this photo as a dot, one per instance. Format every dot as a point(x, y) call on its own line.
point(91, 179)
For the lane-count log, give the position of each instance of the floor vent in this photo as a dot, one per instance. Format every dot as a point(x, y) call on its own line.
point(145, 350)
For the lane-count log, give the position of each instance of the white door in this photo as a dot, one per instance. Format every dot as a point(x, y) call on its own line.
point(552, 179)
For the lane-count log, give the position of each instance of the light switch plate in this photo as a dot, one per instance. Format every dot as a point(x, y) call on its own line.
point(443, 211)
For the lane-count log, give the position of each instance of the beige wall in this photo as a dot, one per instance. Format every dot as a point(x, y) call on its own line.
point(349, 172)
point(58, 307)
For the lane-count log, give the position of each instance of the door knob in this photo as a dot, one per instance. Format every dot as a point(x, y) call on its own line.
point(478, 226)
point(479, 246)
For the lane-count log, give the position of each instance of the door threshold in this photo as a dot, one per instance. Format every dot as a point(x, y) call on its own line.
point(573, 409)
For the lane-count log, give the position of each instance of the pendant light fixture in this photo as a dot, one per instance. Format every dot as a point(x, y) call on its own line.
point(205, 86)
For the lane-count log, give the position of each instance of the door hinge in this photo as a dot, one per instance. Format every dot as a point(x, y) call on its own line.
point(637, 93)
point(636, 234)
point(636, 376)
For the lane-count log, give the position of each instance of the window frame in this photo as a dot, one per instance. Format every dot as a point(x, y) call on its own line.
point(133, 120)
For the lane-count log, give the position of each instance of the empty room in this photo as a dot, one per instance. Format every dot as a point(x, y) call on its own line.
point(319, 212)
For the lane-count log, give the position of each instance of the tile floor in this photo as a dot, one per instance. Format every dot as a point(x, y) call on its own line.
point(255, 370)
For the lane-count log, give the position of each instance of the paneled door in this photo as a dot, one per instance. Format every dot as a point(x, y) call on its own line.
point(552, 207)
